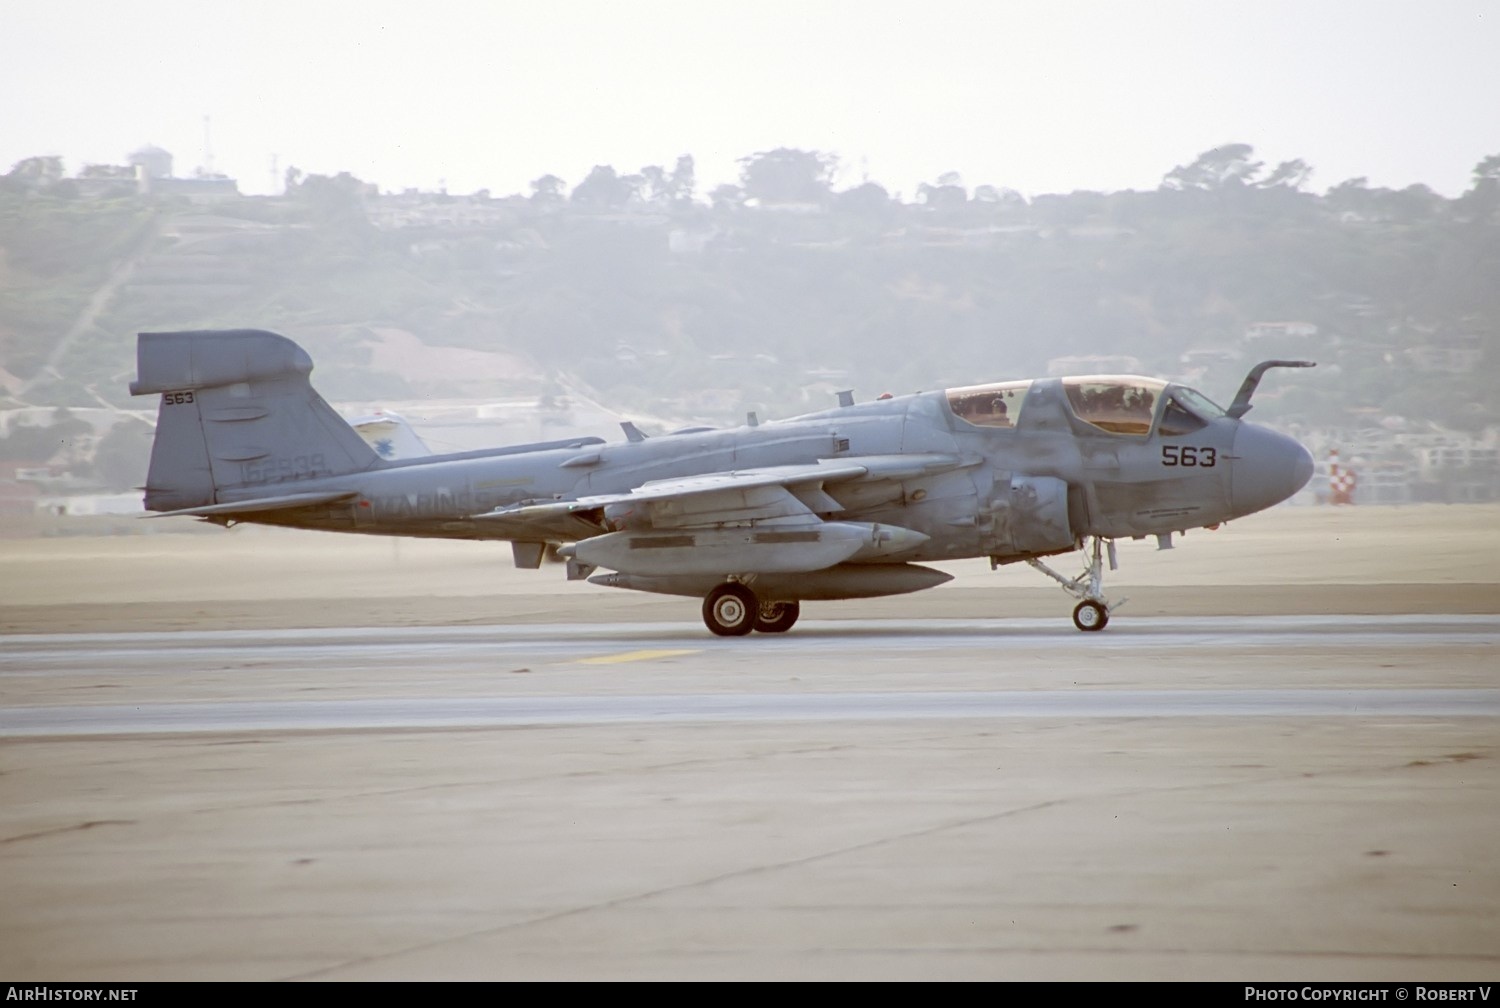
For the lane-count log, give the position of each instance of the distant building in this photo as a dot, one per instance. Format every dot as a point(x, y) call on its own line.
point(99, 181)
point(1198, 363)
point(1268, 330)
point(414, 209)
point(149, 171)
point(203, 191)
point(19, 495)
point(155, 162)
point(1459, 355)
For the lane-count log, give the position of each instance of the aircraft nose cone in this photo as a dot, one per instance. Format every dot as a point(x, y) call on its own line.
point(1268, 468)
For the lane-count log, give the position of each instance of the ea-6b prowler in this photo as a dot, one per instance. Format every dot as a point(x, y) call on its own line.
point(844, 503)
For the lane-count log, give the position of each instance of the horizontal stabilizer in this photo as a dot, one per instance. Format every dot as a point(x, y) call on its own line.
point(214, 358)
point(262, 504)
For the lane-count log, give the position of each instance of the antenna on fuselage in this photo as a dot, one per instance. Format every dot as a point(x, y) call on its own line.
point(1241, 404)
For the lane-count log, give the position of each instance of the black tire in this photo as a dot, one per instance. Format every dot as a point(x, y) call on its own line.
point(777, 617)
point(1089, 615)
point(729, 610)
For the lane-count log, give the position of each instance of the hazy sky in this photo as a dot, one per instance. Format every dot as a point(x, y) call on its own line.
point(1040, 96)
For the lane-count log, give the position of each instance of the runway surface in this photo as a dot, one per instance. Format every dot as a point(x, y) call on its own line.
point(466, 652)
point(1227, 798)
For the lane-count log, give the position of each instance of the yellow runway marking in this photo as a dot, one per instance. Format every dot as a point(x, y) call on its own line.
point(634, 656)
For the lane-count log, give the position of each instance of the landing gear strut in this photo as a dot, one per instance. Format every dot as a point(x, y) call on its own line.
point(1092, 611)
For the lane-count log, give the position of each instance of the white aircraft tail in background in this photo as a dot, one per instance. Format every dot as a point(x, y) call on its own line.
point(390, 435)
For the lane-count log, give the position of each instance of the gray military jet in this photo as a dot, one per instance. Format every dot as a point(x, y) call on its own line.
point(843, 503)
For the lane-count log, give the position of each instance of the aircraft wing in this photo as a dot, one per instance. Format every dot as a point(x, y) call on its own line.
point(788, 492)
point(262, 504)
point(768, 520)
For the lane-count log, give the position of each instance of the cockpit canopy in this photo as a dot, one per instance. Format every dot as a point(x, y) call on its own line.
point(994, 405)
point(1118, 404)
point(1130, 404)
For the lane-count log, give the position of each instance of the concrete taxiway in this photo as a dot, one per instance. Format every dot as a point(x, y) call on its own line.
point(1187, 798)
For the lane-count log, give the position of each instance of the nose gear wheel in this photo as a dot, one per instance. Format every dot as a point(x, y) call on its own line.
point(1090, 615)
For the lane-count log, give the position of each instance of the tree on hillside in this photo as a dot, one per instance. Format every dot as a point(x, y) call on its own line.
point(683, 180)
point(123, 455)
point(948, 195)
point(1411, 205)
point(785, 175)
point(336, 206)
point(726, 196)
point(1349, 196)
point(41, 443)
point(35, 173)
point(998, 196)
point(657, 187)
point(1222, 167)
point(867, 198)
point(1482, 201)
point(332, 198)
point(670, 189)
point(1287, 175)
point(604, 189)
point(548, 189)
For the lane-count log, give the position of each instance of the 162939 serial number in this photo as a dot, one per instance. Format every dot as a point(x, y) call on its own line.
point(278, 470)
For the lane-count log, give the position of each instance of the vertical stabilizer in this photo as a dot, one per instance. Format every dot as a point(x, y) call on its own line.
point(390, 435)
point(237, 412)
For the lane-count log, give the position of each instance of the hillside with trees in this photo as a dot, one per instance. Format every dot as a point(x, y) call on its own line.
point(770, 294)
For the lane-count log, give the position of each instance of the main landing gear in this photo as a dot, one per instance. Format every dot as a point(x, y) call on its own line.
point(1092, 611)
point(732, 610)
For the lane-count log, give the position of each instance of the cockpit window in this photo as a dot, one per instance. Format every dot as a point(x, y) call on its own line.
point(997, 405)
point(1198, 402)
point(1187, 410)
point(1120, 405)
point(1177, 419)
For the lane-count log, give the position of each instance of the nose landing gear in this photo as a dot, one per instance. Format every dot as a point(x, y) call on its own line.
point(1092, 611)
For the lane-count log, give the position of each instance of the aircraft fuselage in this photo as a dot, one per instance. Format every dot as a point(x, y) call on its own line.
point(1110, 485)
